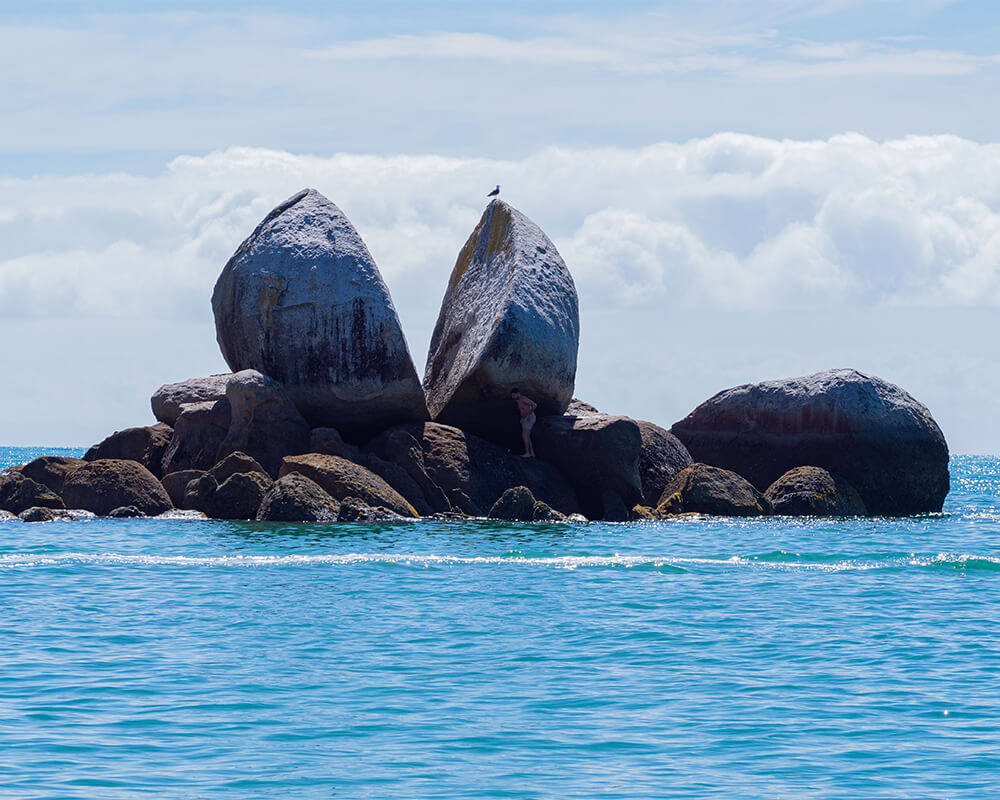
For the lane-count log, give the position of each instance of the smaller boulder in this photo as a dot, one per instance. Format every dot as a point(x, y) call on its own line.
point(106, 484)
point(703, 489)
point(233, 464)
point(543, 512)
point(238, 497)
point(19, 492)
point(198, 490)
point(6, 516)
point(145, 445)
point(51, 470)
point(125, 512)
point(661, 456)
point(295, 498)
point(814, 492)
point(169, 400)
point(342, 478)
point(517, 504)
point(37, 514)
point(353, 509)
point(176, 483)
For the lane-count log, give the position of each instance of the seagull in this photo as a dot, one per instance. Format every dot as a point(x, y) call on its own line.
point(495, 192)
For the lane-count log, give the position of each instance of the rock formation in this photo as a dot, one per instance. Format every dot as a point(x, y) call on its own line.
point(146, 445)
point(295, 498)
point(703, 489)
point(19, 493)
point(106, 484)
point(509, 319)
point(198, 434)
point(169, 400)
point(341, 478)
point(814, 492)
point(303, 302)
point(51, 470)
point(878, 437)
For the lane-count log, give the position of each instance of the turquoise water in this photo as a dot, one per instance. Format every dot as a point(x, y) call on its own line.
point(691, 658)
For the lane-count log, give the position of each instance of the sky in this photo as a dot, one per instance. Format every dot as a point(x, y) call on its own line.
point(742, 191)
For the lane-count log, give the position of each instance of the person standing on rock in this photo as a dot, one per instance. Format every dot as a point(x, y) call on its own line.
point(527, 407)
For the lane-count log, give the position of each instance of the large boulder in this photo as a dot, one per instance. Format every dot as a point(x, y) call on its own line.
point(599, 453)
point(145, 445)
point(874, 434)
point(51, 470)
point(509, 319)
point(473, 472)
point(19, 493)
point(302, 300)
point(661, 457)
point(814, 492)
point(265, 424)
point(341, 478)
point(103, 485)
point(703, 489)
point(169, 400)
point(295, 498)
point(198, 434)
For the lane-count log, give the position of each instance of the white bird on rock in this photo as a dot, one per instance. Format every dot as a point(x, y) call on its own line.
point(495, 192)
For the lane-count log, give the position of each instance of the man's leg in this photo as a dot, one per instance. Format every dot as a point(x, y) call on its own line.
point(526, 438)
point(530, 447)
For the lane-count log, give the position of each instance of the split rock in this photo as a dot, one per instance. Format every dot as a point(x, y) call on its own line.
point(879, 438)
point(509, 319)
point(302, 300)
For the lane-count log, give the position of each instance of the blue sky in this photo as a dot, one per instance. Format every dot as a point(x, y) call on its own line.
point(749, 169)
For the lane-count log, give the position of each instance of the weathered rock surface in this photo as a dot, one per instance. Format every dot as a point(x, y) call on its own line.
point(238, 497)
point(19, 492)
point(815, 492)
point(103, 485)
point(661, 457)
point(176, 483)
point(302, 300)
point(51, 470)
point(145, 445)
point(198, 434)
point(264, 423)
point(703, 489)
point(353, 509)
point(600, 455)
point(542, 512)
point(6, 516)
point(874, 434)
point(37, 514)
point(233, 463)
point(517, 504)
point(198, 490)
point(329, 442)
point(169, 400)
point(341, 478)
point(396, 455)
point(43, 514)
point(473, 472)
point(509, 319)
point(295, 498)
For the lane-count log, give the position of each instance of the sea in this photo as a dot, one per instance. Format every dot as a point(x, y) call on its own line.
point(692, 658)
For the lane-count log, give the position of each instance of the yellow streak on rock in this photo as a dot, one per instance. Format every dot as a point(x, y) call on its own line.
point(499, 226)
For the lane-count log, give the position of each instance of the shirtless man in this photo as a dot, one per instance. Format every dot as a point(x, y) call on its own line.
point(527, 408)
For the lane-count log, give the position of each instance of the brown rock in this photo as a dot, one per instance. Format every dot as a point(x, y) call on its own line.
point(814, 492)
point(19, 493)
point(51, 470)
point(176, 483)
point(238, 497)
point(146, 445)
point(169, 400)
point(516, 505)
point(103, 485)
point(198, 490)
point(661, 457)
point(198, 435)
point(342, 478)
point(234, 463)
point(703, 489)
point(295, 498)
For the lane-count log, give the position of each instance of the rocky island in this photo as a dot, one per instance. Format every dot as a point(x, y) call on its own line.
point(323, 417)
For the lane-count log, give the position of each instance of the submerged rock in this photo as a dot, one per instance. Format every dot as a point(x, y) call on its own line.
point(146, 445)
point(509, 319)
point(302, 301)
point(879, 438)
point(703, 489)
point(295, 498)
point(103, 485)
point(169, 400)
point(814, 492)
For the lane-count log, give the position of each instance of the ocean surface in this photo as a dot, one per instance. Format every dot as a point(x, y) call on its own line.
point(696, 658)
